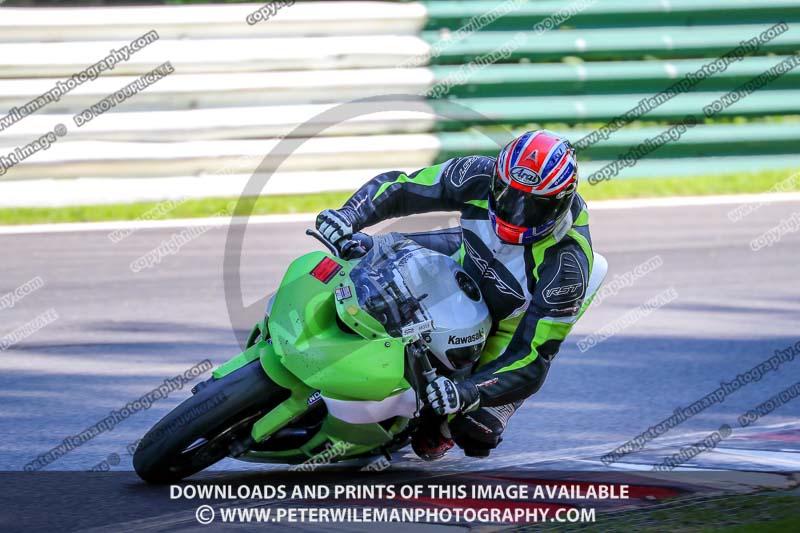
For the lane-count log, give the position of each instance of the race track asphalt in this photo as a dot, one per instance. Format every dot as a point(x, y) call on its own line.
point(118, 334)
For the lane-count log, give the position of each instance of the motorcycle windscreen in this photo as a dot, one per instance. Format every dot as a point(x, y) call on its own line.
point(381, 290)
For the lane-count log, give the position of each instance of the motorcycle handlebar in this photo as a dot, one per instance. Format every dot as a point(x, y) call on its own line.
point(351, 249)
point(357, 245)
point(324, 241)
point(427, 368)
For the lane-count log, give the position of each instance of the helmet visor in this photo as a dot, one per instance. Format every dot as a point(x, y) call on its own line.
point(524, 209)
point(464, 356)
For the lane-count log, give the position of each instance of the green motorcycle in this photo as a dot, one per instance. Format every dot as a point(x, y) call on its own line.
point(336, 369)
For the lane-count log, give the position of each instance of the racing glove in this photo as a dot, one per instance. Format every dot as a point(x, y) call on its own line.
point(447, 397)
point(335, 225)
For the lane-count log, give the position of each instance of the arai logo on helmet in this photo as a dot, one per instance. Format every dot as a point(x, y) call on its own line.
point(525, 176)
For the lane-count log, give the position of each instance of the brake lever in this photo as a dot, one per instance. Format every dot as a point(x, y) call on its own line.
point(324, 241)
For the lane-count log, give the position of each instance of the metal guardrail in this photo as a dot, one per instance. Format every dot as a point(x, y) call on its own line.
point(209, 21)
point(617, 13)
point(237, 88)
point(667, 42)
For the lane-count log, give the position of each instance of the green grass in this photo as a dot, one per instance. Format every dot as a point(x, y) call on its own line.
point(311, 203)
point(206, 207)
point(741, 183)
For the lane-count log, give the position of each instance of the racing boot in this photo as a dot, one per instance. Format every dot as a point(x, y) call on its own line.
point(431, 440)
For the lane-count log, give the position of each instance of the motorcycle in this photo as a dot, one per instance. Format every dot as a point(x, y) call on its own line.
point(336, 369)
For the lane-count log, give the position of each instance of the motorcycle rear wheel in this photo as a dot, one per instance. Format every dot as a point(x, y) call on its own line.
point(207, 427)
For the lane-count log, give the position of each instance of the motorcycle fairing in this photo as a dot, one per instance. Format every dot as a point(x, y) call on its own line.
point(361, 364)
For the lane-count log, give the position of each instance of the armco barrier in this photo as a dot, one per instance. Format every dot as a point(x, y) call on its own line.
point(613, 43)
point(216, 55)
point(721, 140)
point(234, 89)
point(575, 109)
point(239, 87)
point(604, 77)
point(209, 21)
point(229, 123)
point(616, 13)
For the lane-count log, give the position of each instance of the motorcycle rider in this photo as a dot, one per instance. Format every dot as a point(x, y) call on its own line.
point(524, 238)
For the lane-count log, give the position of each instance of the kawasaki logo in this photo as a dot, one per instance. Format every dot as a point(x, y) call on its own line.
point(469, 339)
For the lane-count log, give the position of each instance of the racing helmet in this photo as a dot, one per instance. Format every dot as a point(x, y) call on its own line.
point(533, 185)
